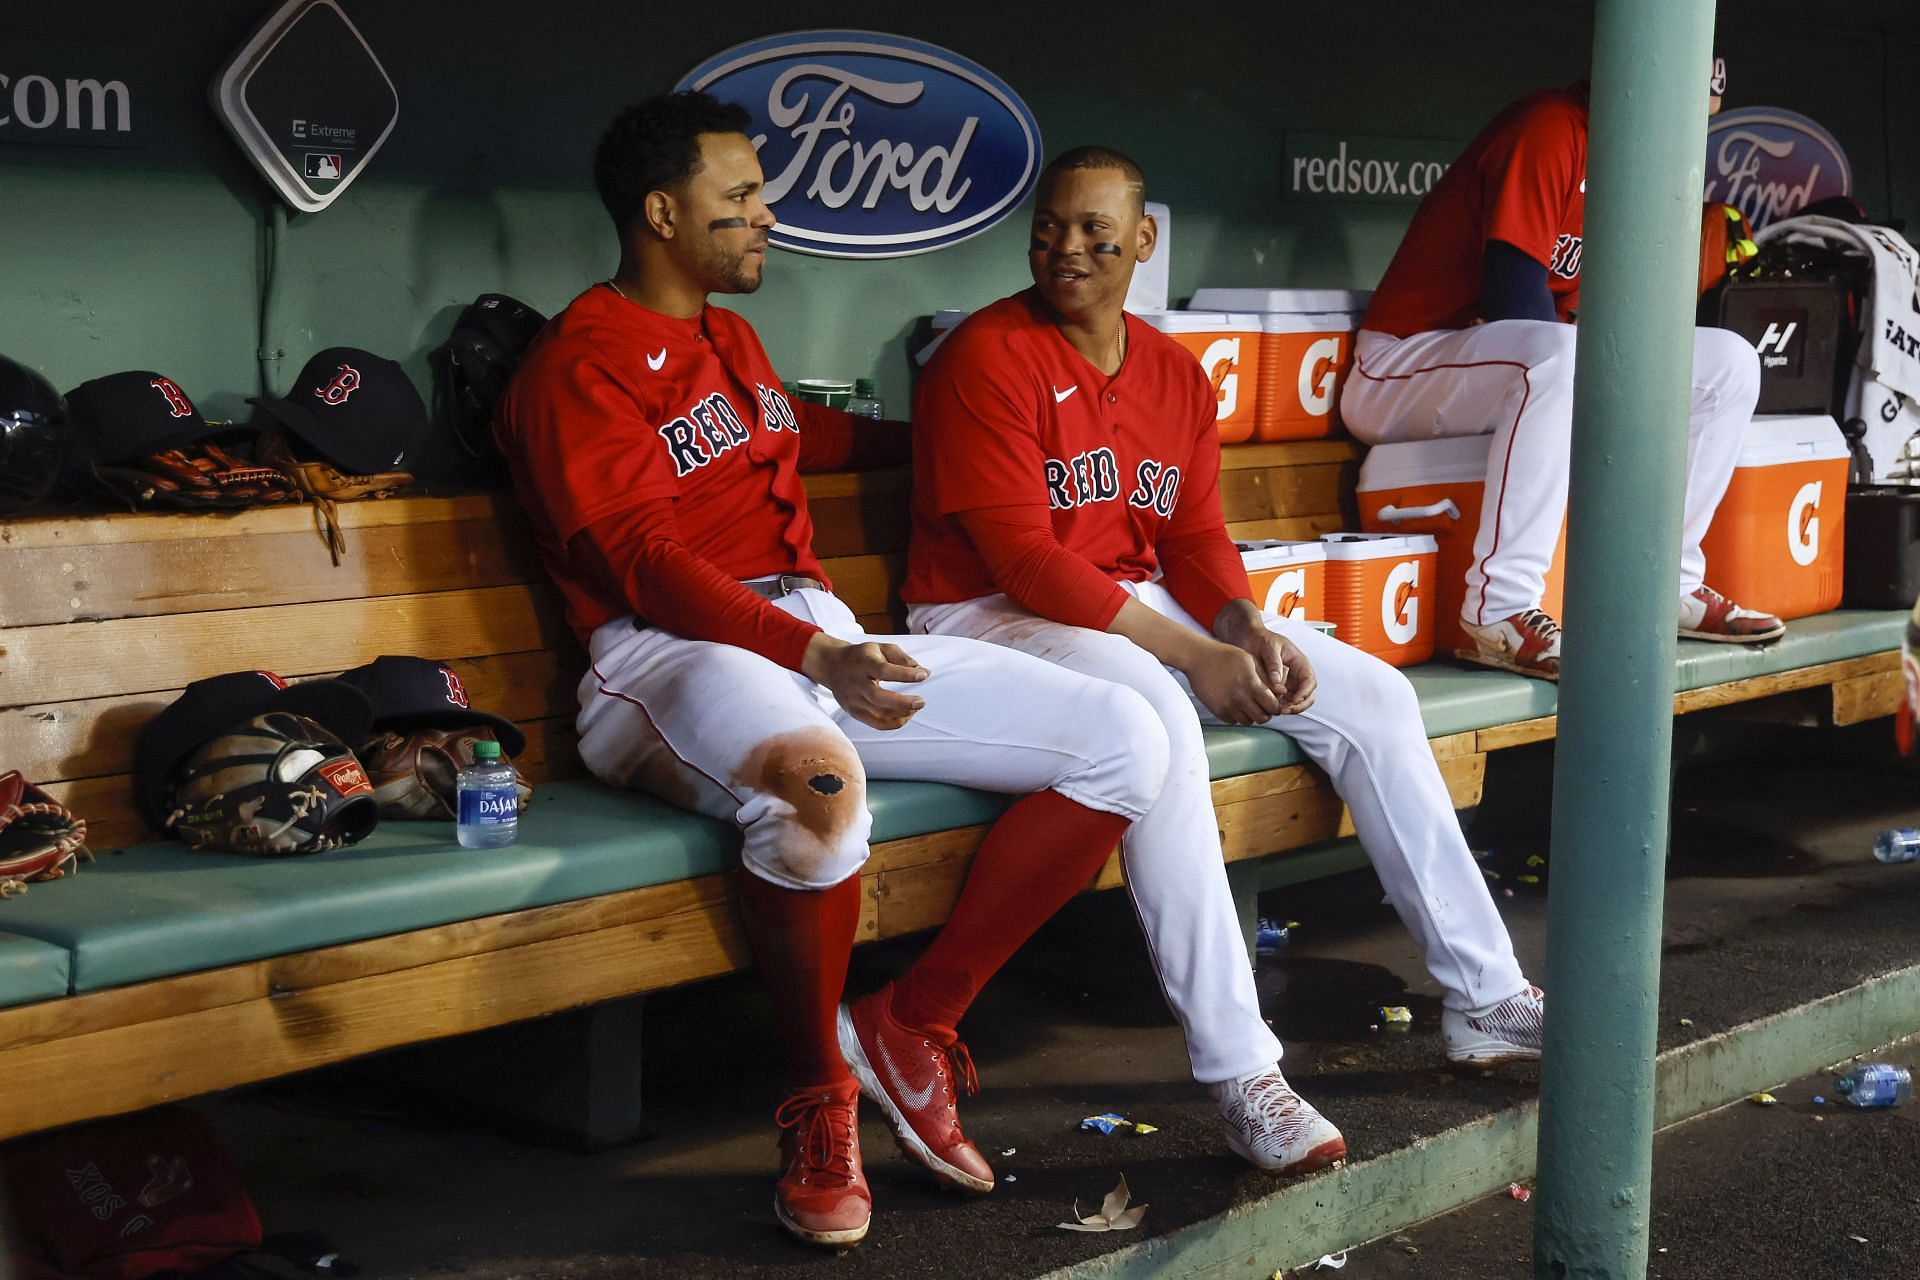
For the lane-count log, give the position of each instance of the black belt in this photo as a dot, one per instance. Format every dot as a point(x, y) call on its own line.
point(770, 588)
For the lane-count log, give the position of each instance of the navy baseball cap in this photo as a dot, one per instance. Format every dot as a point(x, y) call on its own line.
point(419, 693)
point(359, 410)
point(208, 708)
point(130, 415)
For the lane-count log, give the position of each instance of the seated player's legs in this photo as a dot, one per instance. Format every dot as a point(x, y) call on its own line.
point(1178, 883)
point(1171, 856)
point(723, 731)
point(1512, 379)
point(1087, 758)
point(1726, 386)
point(1364, 729)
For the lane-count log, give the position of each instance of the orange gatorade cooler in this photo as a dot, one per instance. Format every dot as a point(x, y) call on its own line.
point(1380, 593)
point(1436, 487)
point(1287, 578)
point(1228, 348)
point(1306, 347)
point(1776, 541)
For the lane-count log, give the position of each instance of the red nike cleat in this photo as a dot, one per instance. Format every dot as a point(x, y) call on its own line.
point(822, 1195)
point(913, 1078)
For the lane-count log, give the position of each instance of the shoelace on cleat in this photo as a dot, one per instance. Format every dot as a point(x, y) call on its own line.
point(1539, 622)
point(961, 1063)
point(1272, 1101)
point(1517, 1019)
point(824, 1149)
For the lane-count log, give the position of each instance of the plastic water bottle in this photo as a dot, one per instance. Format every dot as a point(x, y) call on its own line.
point(865, 404)
point(1900, 844)
point(1876, 1084)
point(489, 805)
point(1269, 936)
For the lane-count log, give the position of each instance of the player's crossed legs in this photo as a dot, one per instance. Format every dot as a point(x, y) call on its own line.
point(722, 731)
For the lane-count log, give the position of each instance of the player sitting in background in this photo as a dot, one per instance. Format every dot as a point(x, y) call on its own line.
point(1067, 504)
point(658, 461)
point(1470, 332)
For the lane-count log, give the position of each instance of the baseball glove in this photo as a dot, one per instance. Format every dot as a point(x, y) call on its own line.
point(276, 784)
point(325, 484)
point(417, 774)
point(39, 840)
point(195, 477)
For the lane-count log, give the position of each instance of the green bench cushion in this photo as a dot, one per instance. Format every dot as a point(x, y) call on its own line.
point(31, 969)
point(157, 910)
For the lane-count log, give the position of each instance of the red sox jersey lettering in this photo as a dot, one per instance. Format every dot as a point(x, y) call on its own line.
point(1113, 466)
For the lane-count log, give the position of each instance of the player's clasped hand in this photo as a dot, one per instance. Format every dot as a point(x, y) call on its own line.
point(1231, 684)
point(855, 673)
point(1289, 674)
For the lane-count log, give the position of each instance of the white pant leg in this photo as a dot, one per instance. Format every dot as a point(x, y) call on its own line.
point(1174, 870)
point(1364, 729)
point(1006, 722)
point(723, 731)
point(1511, 378)
point(1726, 386)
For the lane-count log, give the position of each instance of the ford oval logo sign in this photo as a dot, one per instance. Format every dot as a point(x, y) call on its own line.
point(877, 146)
point(1769, 163)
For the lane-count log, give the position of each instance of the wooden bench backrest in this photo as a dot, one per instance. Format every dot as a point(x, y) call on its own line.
point(105, 618)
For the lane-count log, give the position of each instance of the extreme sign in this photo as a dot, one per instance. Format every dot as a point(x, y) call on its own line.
point(877, 146)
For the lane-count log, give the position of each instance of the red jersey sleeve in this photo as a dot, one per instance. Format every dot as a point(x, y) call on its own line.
point(979, 430)
point(1026, 560)
point(1200, 567)
point(638, 555)
point(589, 444)
point(1525, 174)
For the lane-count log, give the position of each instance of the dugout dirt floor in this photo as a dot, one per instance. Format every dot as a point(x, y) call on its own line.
point(1773, 899)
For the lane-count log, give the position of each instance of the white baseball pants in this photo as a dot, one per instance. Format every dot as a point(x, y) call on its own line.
point(1514, 378)
point(1364, 729)
point(725, 732)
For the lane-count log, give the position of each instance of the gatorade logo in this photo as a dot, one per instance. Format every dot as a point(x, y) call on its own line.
point(1287, 595)
point(1399, 607)
point(1803, 524)
point(1221, 360)
point(1318, 374)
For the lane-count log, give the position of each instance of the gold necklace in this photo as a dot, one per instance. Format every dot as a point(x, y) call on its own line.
point(1119, 351)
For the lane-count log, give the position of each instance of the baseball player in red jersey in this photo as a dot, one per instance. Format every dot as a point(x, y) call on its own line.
point(659, 463)
point(1066, 503)
point(1471, 333)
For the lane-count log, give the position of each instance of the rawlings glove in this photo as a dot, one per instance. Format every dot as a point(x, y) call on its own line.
point(417, 774)
point(39, 840)
point(276, 784)
point(195, 477)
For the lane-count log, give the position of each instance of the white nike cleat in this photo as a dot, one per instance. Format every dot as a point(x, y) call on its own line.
point(1509, 1032)
point(1528, 642)
point(1273, 1127)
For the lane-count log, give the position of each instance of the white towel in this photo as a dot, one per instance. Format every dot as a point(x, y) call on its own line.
point(1890, 323)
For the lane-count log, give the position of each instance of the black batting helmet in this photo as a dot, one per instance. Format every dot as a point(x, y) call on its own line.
point(34, 437)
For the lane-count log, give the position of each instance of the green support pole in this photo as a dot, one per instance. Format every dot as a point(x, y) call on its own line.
point(1631, 392)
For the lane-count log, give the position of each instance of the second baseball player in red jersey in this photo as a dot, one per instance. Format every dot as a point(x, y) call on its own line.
point(1066, 504)
point(659, 464)
point(1469, 334)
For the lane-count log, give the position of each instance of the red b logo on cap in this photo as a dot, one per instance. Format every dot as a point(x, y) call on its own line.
point(177, 405)
point(456, 692)
point(344, 384)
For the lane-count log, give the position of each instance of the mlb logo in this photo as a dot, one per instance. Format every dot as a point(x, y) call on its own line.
point(324, 165)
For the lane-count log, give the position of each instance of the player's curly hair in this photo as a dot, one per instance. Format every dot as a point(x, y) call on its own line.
point(654, 146)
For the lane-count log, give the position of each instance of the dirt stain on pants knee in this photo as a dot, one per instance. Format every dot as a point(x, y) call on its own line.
point(816, 773)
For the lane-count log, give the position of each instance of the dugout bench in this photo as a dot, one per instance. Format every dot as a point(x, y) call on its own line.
point(159, 973)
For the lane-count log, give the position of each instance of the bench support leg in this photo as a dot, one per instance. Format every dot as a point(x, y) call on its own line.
point(1244, 879)
point(571, 1080)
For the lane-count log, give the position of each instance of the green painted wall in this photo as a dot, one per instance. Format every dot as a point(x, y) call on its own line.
point(151, 258)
